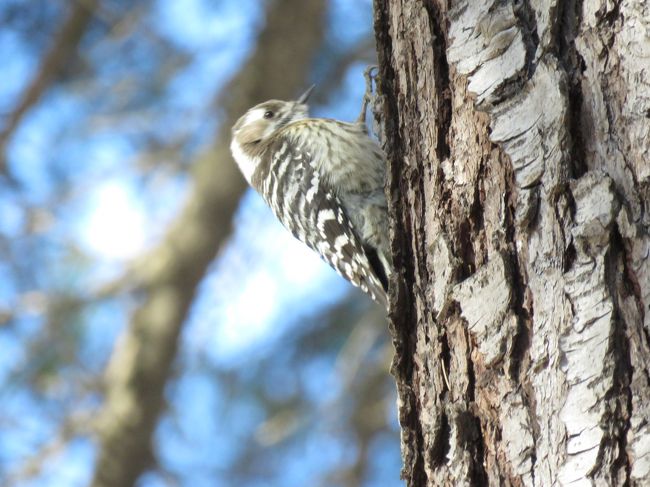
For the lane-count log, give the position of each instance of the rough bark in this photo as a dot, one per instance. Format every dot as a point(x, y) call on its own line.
point(170, 275)
point(518, 136)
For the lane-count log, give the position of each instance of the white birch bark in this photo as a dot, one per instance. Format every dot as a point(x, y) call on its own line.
point(518, 135)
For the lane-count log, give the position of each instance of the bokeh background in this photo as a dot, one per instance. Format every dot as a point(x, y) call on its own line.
point(127, 237)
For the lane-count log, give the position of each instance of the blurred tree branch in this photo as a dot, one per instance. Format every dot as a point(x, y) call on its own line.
point(63, 47)
point(71, 426)
point(141, 361)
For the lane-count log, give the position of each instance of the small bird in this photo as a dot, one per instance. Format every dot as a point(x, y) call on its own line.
point(324, 180)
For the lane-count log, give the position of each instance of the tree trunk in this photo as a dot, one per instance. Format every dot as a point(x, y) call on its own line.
point(518, 139)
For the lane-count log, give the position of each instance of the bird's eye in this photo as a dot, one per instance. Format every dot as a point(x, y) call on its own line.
point(268, 114)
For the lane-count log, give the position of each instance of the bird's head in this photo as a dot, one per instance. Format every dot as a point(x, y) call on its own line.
point(263, 121)
point(258, 125)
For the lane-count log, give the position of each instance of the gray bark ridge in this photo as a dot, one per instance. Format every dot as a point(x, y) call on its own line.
point(568, 94)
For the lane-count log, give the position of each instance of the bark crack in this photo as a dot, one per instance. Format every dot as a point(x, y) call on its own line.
point(623, 369)
point(528, 28)
point(472, 434)
point(568, 21)
point(522, 307)
point(441, 445)
point(443, 118)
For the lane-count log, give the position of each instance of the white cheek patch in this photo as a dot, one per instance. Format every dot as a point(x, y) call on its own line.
point(254, 115)
point(246, 163)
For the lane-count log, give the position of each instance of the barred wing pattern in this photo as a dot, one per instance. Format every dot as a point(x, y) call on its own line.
point(292, 187)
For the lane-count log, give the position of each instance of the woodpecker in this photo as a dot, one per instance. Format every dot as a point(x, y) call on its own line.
point(324, 180)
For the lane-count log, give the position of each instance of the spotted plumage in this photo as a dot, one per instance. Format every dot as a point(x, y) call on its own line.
point(323, 179)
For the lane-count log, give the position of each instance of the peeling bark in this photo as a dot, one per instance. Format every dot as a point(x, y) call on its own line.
point(518, 136)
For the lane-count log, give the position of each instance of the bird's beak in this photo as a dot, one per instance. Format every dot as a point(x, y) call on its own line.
point(305, 96)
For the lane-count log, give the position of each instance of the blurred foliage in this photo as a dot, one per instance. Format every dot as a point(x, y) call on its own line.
point(102, 117)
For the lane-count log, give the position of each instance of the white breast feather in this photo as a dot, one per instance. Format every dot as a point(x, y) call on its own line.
point(246, 163)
